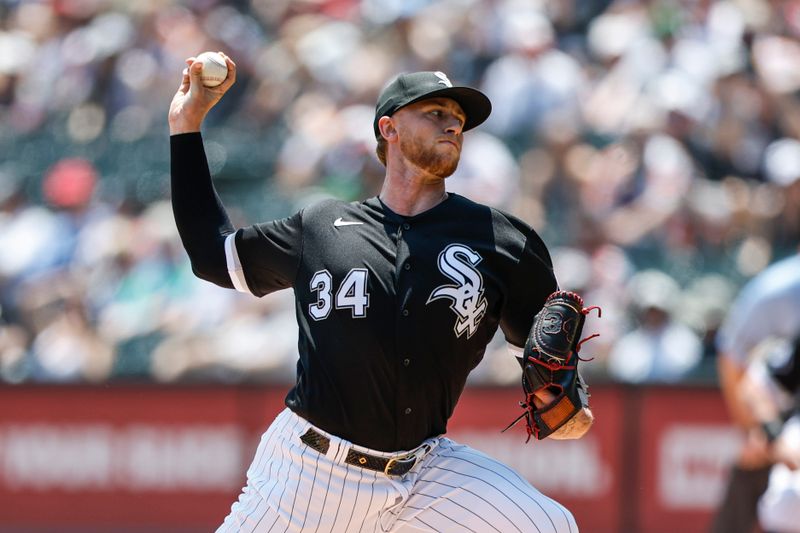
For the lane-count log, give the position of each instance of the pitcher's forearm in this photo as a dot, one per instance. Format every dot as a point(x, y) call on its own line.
point(200, 217)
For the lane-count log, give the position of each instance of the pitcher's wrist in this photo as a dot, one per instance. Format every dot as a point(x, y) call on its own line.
point(184, 126)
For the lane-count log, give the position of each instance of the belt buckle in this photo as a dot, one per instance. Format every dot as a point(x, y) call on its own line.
point(394, 460)
point(415, 455)
point(389, 464)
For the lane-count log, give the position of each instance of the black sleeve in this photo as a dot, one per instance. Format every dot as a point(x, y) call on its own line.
point(202, 221)
point(270, 253)
point(533, 283)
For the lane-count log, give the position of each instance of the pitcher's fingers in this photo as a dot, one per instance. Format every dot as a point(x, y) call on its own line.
point(184, 85)
point(230, 79)
point(228, 60)
point(195, 72)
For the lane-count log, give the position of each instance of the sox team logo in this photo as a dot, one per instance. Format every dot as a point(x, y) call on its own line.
point(443, 79)
point(458, 262)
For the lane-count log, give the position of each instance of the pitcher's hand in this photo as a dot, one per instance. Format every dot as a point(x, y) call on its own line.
point(193, 101)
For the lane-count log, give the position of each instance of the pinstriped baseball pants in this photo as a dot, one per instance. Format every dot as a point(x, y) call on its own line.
point(292, 487)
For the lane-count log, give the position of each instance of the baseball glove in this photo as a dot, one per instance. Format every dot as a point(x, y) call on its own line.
point(550, 365)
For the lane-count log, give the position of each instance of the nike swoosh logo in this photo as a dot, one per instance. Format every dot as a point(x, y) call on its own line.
point(339, 222)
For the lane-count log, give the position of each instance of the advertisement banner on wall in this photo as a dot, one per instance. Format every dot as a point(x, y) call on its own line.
point(122, 457)
point(145, 458)
point(686, 448)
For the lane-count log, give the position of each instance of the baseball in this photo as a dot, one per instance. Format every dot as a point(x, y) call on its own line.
point(215, 70)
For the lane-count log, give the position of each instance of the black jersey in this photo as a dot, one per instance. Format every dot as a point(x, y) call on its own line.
point(393, 311)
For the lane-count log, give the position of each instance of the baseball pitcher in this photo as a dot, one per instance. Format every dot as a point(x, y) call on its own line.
point(396, 297)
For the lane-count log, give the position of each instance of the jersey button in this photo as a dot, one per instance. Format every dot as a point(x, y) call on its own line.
point(406, 362)
point(406, 226)
point(405, 312)
point(408, 410)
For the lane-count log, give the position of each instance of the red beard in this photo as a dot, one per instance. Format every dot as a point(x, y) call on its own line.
point(437, 162)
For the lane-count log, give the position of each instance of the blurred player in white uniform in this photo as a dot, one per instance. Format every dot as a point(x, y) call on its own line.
point(767, 308)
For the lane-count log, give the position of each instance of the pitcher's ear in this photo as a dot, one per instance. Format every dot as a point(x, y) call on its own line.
point(386, 127)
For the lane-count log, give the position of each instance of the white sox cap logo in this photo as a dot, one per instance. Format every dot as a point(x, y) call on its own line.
point(443, 80)
point(457, 262)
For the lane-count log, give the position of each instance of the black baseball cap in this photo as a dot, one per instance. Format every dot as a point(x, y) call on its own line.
point(415, 86)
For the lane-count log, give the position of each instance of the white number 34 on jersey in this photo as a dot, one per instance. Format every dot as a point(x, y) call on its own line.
point(352, 294)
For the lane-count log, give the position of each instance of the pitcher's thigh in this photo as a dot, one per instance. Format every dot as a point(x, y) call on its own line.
point(250, 514)
point(462, 489)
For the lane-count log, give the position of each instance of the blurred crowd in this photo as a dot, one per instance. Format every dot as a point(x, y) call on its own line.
point(653, 144)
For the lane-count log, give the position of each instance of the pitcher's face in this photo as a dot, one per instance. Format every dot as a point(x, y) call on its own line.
point(431, 134)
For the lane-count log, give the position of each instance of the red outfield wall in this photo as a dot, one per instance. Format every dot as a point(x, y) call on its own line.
point(146, 458)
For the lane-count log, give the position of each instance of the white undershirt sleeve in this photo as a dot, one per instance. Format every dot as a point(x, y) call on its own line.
point(234, 265)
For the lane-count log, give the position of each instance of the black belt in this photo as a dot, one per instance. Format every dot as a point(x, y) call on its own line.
point(391, 466)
